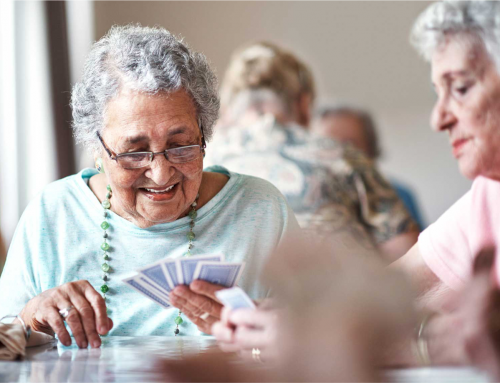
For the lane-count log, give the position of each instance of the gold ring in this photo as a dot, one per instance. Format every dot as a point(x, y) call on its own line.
point(256, 355)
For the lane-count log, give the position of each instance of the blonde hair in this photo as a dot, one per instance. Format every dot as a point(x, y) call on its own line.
point(264, 65)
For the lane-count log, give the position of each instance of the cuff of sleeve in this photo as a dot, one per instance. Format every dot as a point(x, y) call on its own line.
point(437, 263)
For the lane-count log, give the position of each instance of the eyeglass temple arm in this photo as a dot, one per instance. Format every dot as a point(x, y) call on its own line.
point(203, 142)
point(105, 147)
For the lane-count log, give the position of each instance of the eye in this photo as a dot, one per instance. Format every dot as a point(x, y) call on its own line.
point(461, 90)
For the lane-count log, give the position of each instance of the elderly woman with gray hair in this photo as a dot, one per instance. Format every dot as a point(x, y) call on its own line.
point(145, 107)
point(461, 39)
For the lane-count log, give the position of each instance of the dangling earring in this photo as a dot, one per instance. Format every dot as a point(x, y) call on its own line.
point(99, 166)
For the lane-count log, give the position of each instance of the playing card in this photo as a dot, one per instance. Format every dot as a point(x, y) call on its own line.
point(155, 273)
point(136, 284)
point(224, 274)
point(170, 272)
point(151, 286)
point(235, 298)
point(186, 266)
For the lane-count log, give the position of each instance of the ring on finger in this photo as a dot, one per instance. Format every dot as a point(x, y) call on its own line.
point(256, 355)
point(65, 311)
point(204, 316)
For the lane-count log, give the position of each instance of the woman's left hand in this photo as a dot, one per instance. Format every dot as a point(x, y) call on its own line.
point(199, 303)
point(247, 330)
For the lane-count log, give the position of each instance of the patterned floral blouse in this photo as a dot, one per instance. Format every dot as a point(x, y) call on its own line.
point(331, 187)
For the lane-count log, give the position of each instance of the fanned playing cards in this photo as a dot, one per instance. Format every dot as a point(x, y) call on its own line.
point(157, 280)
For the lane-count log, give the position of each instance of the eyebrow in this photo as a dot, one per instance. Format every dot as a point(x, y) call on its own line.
point(143, 137)
point(456, 73)
point(450, 74)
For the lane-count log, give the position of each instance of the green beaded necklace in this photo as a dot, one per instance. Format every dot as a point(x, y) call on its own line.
point(105, 267)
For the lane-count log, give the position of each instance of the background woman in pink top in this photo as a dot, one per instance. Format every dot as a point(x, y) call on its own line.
point(461, 41)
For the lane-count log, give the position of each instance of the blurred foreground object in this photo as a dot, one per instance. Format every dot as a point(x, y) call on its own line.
point(341, 310)
point(335, 310)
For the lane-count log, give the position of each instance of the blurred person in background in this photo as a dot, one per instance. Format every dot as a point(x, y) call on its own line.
point(145, 106)
point(355, 126)
point(266, 99)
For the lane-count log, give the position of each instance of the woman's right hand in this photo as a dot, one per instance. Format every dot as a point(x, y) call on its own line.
point(468, 333)
point(87, 319)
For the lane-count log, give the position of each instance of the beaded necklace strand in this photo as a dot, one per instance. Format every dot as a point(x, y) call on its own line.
point(106, 268)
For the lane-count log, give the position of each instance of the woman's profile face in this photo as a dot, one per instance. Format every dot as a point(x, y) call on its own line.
point(467, 84)
point(136, 122)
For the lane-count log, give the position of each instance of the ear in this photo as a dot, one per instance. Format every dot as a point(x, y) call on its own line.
point(304, 109)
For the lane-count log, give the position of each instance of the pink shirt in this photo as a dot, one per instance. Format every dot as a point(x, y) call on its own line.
point(449, 245)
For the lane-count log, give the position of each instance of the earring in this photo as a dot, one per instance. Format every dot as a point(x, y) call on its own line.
point(99, 166)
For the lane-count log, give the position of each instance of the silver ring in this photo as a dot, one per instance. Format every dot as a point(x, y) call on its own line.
point(65, 312)
point(204, 316)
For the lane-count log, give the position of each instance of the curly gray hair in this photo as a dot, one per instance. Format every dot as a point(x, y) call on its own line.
point(149, 60)
point(479, 20)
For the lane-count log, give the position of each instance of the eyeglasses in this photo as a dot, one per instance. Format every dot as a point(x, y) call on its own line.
point(138, 160)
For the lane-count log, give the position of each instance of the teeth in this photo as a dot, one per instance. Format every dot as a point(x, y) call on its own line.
point(160, 191)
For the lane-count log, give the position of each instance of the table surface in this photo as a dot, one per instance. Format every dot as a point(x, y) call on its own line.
point(120, 359)
point(135, 359)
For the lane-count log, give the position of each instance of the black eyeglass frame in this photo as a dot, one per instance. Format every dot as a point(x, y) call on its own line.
point(115, 156)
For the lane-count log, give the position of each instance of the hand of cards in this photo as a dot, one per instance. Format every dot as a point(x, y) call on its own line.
point(156, 281)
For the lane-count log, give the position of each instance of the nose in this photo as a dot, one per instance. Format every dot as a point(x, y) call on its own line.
point(160, 170)
point(442, 117)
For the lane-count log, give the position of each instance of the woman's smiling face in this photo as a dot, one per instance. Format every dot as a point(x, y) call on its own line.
point(137, 122)
point(468, 107)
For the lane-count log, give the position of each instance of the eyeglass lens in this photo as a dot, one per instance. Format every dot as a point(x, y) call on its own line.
point(175, 156)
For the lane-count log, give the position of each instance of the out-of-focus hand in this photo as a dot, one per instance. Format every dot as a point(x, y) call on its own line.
point(342, 308)
point(245, 329)
point(199, 303)
point(469, 333)
point(87, 319)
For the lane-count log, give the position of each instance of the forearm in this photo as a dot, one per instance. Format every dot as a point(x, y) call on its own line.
point(400, 354)
point(394, 248)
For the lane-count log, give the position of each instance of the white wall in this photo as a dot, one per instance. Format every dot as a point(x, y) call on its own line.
point(359, 52)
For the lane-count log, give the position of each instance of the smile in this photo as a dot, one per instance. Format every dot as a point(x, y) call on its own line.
point(160, 191)
point(160, 195)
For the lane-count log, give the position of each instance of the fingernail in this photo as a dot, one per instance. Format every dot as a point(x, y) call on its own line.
point(96, 344)
point(84, 344)
point(103, 330)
